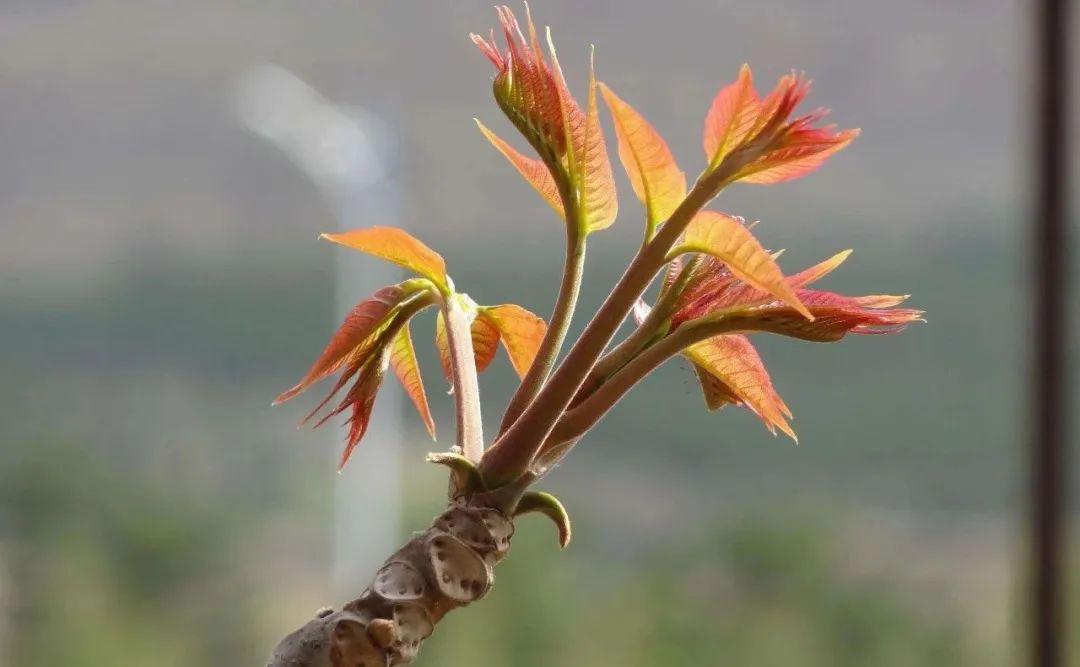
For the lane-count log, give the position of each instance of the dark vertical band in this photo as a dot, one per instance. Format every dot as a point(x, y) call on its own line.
point(1048, 470)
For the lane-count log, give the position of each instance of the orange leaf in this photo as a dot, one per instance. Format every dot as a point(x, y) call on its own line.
point(728, 239)
point(354, 339)
point(732, 117)
point(521, 332)
point(881, 300)
point(599, 201)
point(442, 345)
point(397, 246)
point(656, 178)
point(534, 171)
point(586, 154)
point(818, 271)
point(485, 342)
point(403, 363)
point(715, 392)
point(736, 374)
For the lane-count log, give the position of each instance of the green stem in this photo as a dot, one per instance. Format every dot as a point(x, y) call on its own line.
point(552, 343)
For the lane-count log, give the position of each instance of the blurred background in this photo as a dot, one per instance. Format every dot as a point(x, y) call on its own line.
point(165, 170)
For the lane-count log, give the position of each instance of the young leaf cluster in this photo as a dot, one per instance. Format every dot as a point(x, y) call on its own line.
point(720, 286)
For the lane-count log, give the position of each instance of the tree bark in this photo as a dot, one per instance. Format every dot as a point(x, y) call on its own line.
point(447, 566)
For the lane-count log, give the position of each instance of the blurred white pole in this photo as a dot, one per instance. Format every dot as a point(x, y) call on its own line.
point(349, 155)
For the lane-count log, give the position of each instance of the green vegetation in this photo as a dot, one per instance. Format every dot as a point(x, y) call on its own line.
point(98, 564)
point(101, 565)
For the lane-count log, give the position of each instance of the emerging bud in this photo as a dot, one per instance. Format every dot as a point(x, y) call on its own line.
point(772, 147)
point(533, 94)
point(525, 86)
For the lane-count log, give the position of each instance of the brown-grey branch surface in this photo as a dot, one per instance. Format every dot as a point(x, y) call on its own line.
point(447, 566)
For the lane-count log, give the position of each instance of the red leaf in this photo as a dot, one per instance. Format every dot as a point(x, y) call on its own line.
point(361, 399)
point(801, 153)
point(535, 98)
point(774, 147)
point(524, 85)
point(354, 339)
point(713, 288)
point(778, 105)
point(834, 316)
